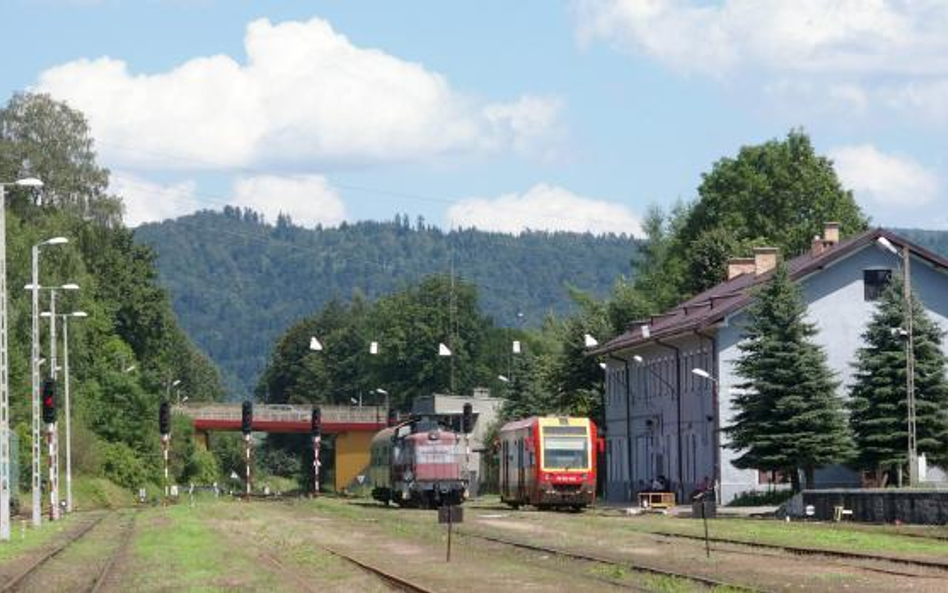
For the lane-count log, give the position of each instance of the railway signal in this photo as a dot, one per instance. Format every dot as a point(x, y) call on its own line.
point(316, 430)
point(467, 419)
point(246, 418)
point(49, 401)
point(164, 419)
point(49, 417)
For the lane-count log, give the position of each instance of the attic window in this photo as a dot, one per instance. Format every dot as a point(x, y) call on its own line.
point(874, 282)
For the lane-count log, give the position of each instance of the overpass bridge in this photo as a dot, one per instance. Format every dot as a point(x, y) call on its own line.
point(347, 430)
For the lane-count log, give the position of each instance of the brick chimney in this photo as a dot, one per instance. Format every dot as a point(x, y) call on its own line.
point(816, 247)
point(765, 259)
point(740, 265)
point(830, 234)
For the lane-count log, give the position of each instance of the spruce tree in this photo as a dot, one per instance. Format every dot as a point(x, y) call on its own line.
point(788, 415)
point(878, 403)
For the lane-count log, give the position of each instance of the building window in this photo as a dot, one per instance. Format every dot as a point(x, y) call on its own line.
point(874, 282)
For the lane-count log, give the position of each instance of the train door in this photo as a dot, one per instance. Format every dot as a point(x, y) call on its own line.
point(505, 469)
point(521, 494)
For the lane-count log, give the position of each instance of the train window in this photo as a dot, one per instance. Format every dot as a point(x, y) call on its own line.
point(565, 452)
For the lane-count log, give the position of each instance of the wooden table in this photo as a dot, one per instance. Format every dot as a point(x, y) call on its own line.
point(656, 500)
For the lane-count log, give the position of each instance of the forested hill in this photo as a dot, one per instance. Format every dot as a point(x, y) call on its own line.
point(936, 241)
point(238, 283)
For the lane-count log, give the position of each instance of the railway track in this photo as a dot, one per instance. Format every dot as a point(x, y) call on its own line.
point(106, 571)
point(625, 564)
point(395, 582)
point(17, 581)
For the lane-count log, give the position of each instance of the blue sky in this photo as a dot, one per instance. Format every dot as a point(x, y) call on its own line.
point(504, 115)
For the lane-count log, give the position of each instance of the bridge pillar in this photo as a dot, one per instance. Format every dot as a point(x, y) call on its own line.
point(202, 438)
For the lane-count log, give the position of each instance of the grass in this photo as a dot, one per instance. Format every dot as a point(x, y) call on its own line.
point(99, 493)
point(175, 548)
point(25, 538)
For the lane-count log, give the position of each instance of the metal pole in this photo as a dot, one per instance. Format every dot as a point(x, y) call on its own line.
point(165, 442)
point(67, 411)
point(54, 450)
point(247, 448)
point(910, 368)
point(4, 384)
point(317, 441)
point(34, 372)
point(53, 503)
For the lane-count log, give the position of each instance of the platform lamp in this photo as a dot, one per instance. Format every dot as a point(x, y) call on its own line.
point(65, 320)
point(30, 182)
point(908, 334)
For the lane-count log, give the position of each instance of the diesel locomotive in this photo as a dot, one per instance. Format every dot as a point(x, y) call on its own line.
point(419, 464)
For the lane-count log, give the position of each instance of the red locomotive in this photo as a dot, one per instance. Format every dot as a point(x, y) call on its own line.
point(548, 462)
point(419, 464)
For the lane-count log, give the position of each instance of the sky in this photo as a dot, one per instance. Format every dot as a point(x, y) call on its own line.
point(501, 115)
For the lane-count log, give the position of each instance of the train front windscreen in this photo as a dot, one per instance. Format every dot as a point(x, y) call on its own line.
point(565, 447)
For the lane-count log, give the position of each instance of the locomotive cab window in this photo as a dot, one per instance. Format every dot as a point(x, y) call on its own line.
point(874, 282)
point(565, 447)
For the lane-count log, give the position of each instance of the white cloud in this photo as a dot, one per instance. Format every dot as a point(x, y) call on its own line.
point(849, 52)
point(308, 199)
point(305, 94)
point(885, 179)
point(147, 201)
point(543, 207)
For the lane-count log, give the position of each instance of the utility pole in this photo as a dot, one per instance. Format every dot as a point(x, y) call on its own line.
point(910, 367)
point(35, 376)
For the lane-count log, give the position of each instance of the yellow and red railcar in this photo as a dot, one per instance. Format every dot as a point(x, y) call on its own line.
point(548, 462)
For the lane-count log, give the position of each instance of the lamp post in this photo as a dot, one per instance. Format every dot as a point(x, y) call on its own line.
point(34, 288)
point(4, 364)
point(65, 318)
point(909, 356)
point(715, 394)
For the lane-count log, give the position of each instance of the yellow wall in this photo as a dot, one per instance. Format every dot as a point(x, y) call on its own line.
point(352, 457)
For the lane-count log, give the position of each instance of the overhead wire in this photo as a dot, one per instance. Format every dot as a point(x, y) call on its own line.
point(335, 182)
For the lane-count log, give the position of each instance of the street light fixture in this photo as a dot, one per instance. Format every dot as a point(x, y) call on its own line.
point(34, 288)
point(503, 379)
point(908, 332)
point(28, 182)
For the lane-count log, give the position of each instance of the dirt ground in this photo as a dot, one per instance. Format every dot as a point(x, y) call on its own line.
point(296, 546)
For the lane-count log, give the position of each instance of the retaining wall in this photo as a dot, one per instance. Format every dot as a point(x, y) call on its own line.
point(882, 505)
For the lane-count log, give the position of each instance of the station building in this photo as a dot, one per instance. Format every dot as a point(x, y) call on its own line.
point(662, 419)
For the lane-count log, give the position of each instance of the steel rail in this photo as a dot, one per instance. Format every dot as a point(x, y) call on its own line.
point(106, 570)
point(812, 551)
point(302, 583)
point(396, 582)
point(707, 581)
point(16, 581)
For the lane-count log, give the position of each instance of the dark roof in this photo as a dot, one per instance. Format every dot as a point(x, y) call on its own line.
point(718, 302)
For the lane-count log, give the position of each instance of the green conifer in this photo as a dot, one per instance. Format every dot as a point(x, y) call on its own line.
point(788, 415)
point(878, 404)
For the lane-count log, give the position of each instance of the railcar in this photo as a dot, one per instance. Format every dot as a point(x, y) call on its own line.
point(548, 462)
point(419, 464)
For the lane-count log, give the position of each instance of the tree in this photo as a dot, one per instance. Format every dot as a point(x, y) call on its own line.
point(878, 407)
point(779, 193)
point(788, 416)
